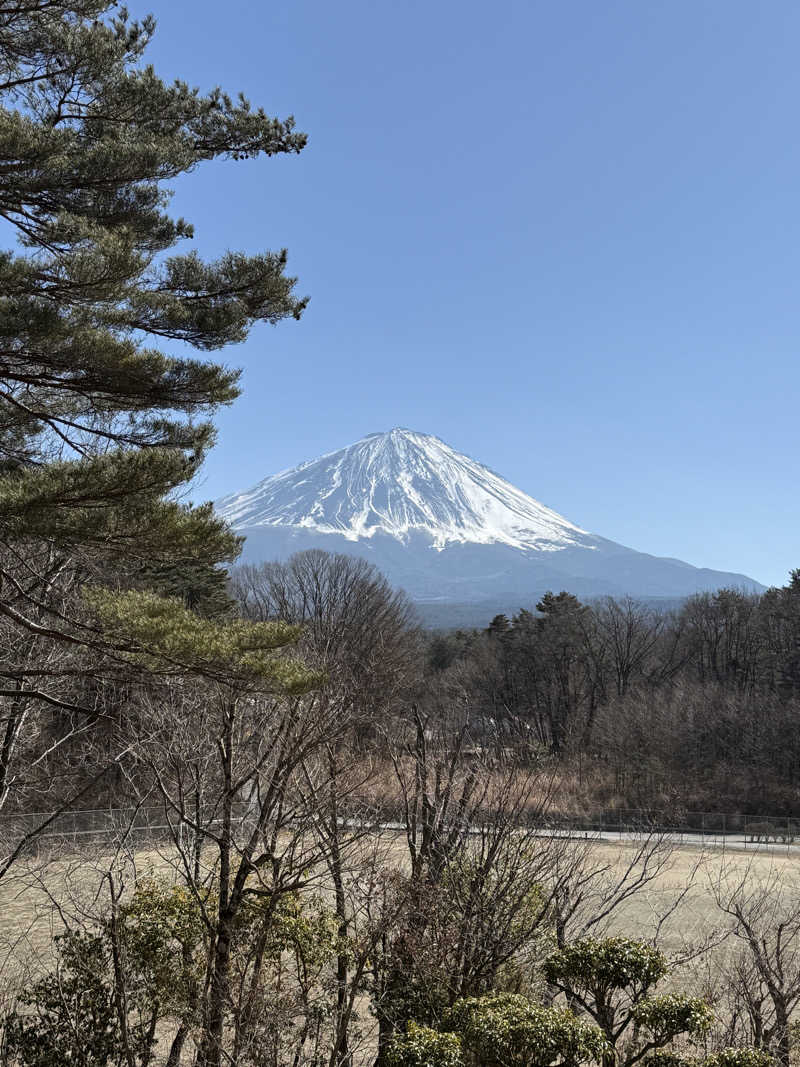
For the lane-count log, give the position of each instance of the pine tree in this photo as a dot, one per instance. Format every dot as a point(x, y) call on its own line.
point(97, 424)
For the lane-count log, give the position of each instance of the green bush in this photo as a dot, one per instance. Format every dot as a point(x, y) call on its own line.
point(612, 979)
point(671, 1014)
point(69, 1016)
point(508, 1030)
point(664, 1058)
point(420, 1046)
point(615, 962)
point(739, 1057)
point(84, 1010)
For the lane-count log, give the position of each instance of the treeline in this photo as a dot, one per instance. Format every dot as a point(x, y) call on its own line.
point(689, 709)
point(630, 708)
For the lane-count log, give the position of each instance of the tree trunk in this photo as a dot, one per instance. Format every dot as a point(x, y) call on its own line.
point(385, 1034)
point(782, 1049)
point(210, 1051)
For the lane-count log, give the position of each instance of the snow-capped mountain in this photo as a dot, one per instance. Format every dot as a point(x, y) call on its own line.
point(397, 483)
point(444, 527)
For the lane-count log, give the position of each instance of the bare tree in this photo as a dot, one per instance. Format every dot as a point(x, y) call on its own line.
point(224, 762)
point(361, 634)
point(632, 633)
point(762, 969)
point(488, 877)
point(594, 886)
point(63, 687)
point(356, 629)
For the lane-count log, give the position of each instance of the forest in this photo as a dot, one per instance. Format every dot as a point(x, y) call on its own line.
point(689, 710)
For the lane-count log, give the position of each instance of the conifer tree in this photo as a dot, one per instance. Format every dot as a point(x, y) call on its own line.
point(97, 423)
point(100, 421)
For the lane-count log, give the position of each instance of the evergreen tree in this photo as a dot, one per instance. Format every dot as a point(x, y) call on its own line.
point(498, 626)
point(97, 424)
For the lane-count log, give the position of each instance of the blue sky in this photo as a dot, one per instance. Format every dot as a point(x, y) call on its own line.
point(562, 236)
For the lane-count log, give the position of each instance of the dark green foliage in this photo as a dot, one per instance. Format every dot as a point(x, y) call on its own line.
point(676, 710)
point(69, 1016)
point(202, 588)
point(113, 985)
point(666, 1059)
point(104, 410)
point(602, 965)
point(446, 649)
point(541, 678)
point(498, 626)
point(88, 136)
point(139, 974)
point(670, 1014)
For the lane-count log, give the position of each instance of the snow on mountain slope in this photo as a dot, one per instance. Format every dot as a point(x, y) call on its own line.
point(401, 483)
point(445, 528)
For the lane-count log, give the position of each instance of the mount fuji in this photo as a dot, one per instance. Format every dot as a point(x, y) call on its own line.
point(446, 529)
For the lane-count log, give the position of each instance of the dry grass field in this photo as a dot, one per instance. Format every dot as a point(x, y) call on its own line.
point(37, 897)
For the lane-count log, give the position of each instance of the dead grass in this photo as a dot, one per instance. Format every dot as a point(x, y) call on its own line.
point(37, 898)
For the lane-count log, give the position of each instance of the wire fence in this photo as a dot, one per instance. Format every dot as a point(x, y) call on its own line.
point(146, 825)
point(140, 826)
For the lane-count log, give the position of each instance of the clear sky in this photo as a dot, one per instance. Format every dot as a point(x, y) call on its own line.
point(562, 236)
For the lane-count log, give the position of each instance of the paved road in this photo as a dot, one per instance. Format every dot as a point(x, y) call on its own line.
point(738, 842)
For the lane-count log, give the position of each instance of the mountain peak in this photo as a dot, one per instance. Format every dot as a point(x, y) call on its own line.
point(402, 482)
point(395, 431)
